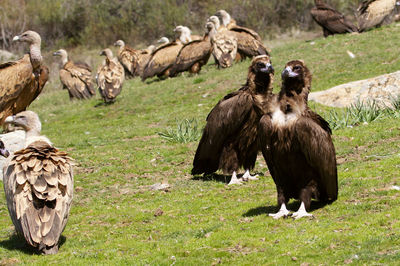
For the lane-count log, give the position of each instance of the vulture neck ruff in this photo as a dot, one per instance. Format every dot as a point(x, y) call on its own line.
point(35, 55)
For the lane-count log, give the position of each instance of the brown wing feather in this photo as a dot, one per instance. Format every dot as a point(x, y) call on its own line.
point(374, 13)
point(37, 200)
point(128, 58)
point(240, 29)
point(248, 46)
point(332, 21)
point(224, 120)
point(224, 48)
point(110, 79)
point(77, 80)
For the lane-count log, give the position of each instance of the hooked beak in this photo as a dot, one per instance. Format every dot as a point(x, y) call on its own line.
point(16, 38)
point(4, 152)
point(9, 119)
point(56, 53)
point(288, 73)
point(116, 44)
point(267, 69)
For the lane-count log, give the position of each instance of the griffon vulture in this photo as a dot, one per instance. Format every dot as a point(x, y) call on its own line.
point(110, 77)
point(128, 57)
point(373, 13)
point(229, 139)
point(224, 44)
point(297, 146)
point(248, 41)
point(22, 81)
point(331, 21)
point(38, 184)
point(75, 77)
point(193, 55)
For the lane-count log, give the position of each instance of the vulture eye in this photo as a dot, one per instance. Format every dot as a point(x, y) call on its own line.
point(296, 68)
point(260, 65)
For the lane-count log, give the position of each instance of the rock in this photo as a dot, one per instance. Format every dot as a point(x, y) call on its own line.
point(382, 89)
point(13, 141)
point(6, 56)
point(160, 186)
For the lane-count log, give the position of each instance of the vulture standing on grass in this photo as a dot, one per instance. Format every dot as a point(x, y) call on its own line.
point(194, 54)
point(38, 184)
point(224, 44)
point(297, 146)
point(248, 41)
point(75, 77)
point(229, 139)
point(372, 13)
point(110, 77)
point(22, 81)
point(331, 21)
point(128, 57)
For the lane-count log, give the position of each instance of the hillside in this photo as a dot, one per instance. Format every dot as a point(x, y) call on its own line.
point(117, 219)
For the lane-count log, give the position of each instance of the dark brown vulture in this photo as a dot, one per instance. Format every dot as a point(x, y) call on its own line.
point(193, 55)
point(128, 57)
point(75, 77)
point(38, 184)
point(374, 13)
point(331, 21)
point(22, 81)
point(229, 138)
point(224, 44)
point(110, 77)
point(248, 41)
point(297, 146)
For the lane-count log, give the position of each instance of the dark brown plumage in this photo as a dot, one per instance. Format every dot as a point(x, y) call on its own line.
point(75, 77)
point(297, 146)
point(331, 21)
point(128, 57)
point(374, 13)
point(22, 81)
point(38, 184)
point(229, 139)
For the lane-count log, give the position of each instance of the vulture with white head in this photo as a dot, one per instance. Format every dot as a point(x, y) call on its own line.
point(110, 77)
point(229, 139)
point(75, 77)
point(331, 20)
point(128, 57)
point(38, 184)
point(374, 13)
point(297, 146)
point(22, 81)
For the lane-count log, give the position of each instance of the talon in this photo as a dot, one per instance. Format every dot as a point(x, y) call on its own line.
point(283, 212)
point(235, 180)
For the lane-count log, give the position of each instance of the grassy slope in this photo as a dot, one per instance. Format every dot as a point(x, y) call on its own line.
point(119, 154)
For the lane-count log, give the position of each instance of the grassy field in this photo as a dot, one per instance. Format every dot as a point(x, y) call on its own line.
point(117, 219)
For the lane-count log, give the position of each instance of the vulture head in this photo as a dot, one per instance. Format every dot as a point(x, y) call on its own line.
point(183, 33)
point(210, 29)
point(224, 17)
point(215, 21)
point(150, 49)
point(296, 77)
point(30, 37)
point(63, 54)
point(163, 40)
point(107, 53)
point(28, 120)
point(261, 72)
point(3, 151)
point(119, 43)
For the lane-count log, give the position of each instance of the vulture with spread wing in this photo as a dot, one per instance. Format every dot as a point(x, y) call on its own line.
point(22, 81)
point(38, 184)
point(75, 77)
point(374, 13)
point(229, 139)
point(297, 146)
point(331, 21)
point(110, 77)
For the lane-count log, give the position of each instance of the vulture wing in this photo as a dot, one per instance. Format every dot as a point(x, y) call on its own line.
point(39, 187)
point(224, 48)
point(374, 12)
point(332, 21)
point(223, 122)
point(249, 46)
point(198, 51)
point(162, 59)
point(110, 79)
point(251, 32)
point(128, 59)
point(78, 80)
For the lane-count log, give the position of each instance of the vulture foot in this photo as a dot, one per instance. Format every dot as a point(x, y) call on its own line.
point(283, 212)
point(247, 176)
point(301, 212)
point(235, 180)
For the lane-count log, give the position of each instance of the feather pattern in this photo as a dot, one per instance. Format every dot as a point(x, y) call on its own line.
point(373, 13)
point(77, 79)
point(110, 78)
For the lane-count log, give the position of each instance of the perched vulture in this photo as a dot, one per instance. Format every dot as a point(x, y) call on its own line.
point(110, 77)
point(162, 41)
point(229, 139)
point(75, 77)
point(297, 146)
point(38, 184)
point(193, 55)
point(373, 13)
point(248, 41)
point(22, 81)
point(128, 57)
point(331, 21)
point(224, 44)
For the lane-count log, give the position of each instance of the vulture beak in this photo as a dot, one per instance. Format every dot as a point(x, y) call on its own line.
point(116, 44)
point(267, 69)
point(56, 53)
point(3, 151)
point(16, 38)
point(102, 53)
point(288, 73)
point(9, 119)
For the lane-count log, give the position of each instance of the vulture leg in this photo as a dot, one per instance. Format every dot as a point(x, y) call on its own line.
point(301, 212)
point(247, 176)
point(283, 212)
point(234, 179)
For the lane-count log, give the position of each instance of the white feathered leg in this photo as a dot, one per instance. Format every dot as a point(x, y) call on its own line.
point(247, 176)
point(283, 212)
point(234, 179)
point(301, 212)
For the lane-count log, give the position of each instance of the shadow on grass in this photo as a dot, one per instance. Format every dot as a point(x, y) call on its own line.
point(292, 206)
point(219, 178)
point(17, 242)
point(103, 104)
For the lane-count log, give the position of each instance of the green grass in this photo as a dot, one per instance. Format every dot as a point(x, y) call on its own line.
point(115, 217)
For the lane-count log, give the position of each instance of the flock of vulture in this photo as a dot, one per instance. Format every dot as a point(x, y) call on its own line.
point(295, 141)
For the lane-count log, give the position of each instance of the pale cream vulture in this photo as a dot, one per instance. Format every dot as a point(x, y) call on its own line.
point(110, 77)
point(128, 57)
point(372, 13)
point(22, 81)
point(75, 77)
point(38, 184)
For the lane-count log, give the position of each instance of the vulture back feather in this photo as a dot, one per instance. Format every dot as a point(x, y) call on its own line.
point(372, 13)
point(128, 57)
